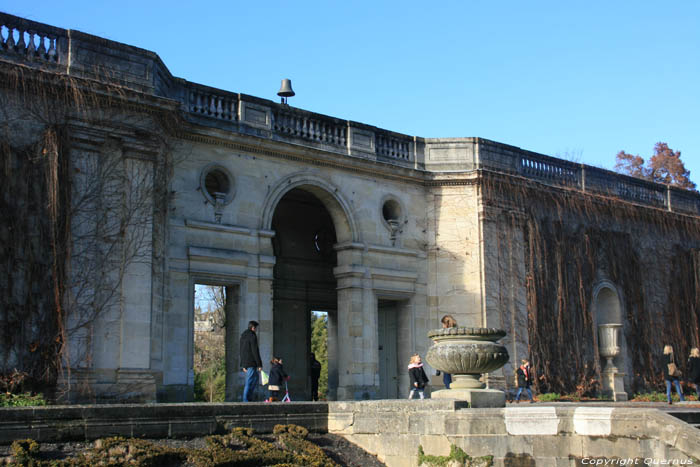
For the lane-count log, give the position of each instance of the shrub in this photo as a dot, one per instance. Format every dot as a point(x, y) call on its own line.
point(457, 455)
point(21, 400)
point(24, 450)
point(549, 397)
point(654, 397)
point(295, 430)
point(239, 448)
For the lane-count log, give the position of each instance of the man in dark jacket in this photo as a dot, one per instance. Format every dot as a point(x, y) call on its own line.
point(251, 363)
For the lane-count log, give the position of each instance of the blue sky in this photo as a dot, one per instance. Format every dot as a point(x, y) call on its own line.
point(578, 80)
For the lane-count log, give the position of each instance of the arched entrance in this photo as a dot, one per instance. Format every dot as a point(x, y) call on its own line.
point(303, 280)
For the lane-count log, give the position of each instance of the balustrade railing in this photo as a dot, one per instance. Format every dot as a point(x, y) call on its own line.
point(685, 201)
point(551, 170)
point(309, 126)
point(212, 103)
point(30, 40)
point(393, 146)
point(628, 188)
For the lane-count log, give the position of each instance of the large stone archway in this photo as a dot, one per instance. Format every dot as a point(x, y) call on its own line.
point(310, 220)
point(303, 280)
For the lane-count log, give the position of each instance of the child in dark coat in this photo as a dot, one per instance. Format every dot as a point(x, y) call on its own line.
point(277, 379)
point(417, 375)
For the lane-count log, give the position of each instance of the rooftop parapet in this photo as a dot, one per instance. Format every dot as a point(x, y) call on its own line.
point(78, 54)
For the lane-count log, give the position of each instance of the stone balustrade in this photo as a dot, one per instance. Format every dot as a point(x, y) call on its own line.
point(305, 125)
point(394, 146)
point(31, 41)
point(203, 100)
point(550, 169)
point(38, 45)
point(594, 180)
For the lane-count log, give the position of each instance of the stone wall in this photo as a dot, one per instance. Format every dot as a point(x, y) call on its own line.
point(393, 430)
point(540, 435)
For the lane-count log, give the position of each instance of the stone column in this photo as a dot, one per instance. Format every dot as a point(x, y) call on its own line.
point(354, 369)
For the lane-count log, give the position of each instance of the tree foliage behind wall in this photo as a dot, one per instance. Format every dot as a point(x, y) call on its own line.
point(319, 346)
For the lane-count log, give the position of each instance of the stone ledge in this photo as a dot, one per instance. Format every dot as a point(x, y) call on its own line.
point(63, 423)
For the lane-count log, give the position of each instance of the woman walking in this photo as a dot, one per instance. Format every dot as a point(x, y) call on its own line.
point(671, 373)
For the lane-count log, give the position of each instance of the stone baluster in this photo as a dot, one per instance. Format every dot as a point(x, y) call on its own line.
point(321, 130)
point(211, 108)
point(224, 109)
point(21, 45)
point(328, 134)
point(10, 43)
point(200, 103)
point(315, 130)
point(31, 48)
point(338, 135)
point(41, 51)
point(219, 109)
point(194, 102)
point(278, 121)
point(285, 123)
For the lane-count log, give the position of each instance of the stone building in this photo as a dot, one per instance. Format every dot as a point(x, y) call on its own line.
point(170, 183)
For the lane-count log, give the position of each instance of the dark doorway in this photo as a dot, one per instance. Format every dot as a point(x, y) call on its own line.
point(303, 281)
point(387, 331)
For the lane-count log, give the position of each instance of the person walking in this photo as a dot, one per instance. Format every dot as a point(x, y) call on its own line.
point(524, 373)
point(417, 376)
point(251, 363)
point(671, 373)
point(277, 377)
point(315, 368)
point(447, 321)
point(694, 369)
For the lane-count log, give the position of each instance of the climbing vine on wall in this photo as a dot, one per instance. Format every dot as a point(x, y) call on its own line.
point(56, 239)
point(570, 242)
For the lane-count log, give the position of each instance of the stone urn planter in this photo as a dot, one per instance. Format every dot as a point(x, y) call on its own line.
point(609, 348)
point(467, 353)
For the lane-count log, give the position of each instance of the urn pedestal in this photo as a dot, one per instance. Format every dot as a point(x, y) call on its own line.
point(609, 348)
point(467, 353)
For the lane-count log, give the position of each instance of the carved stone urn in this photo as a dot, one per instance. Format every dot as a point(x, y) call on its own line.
point(609, 348)
point(467, 353)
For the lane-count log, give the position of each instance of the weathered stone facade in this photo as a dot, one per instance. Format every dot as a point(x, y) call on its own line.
point(294, 211)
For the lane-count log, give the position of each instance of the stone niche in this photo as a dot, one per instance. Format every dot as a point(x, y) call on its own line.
point(611, 342)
